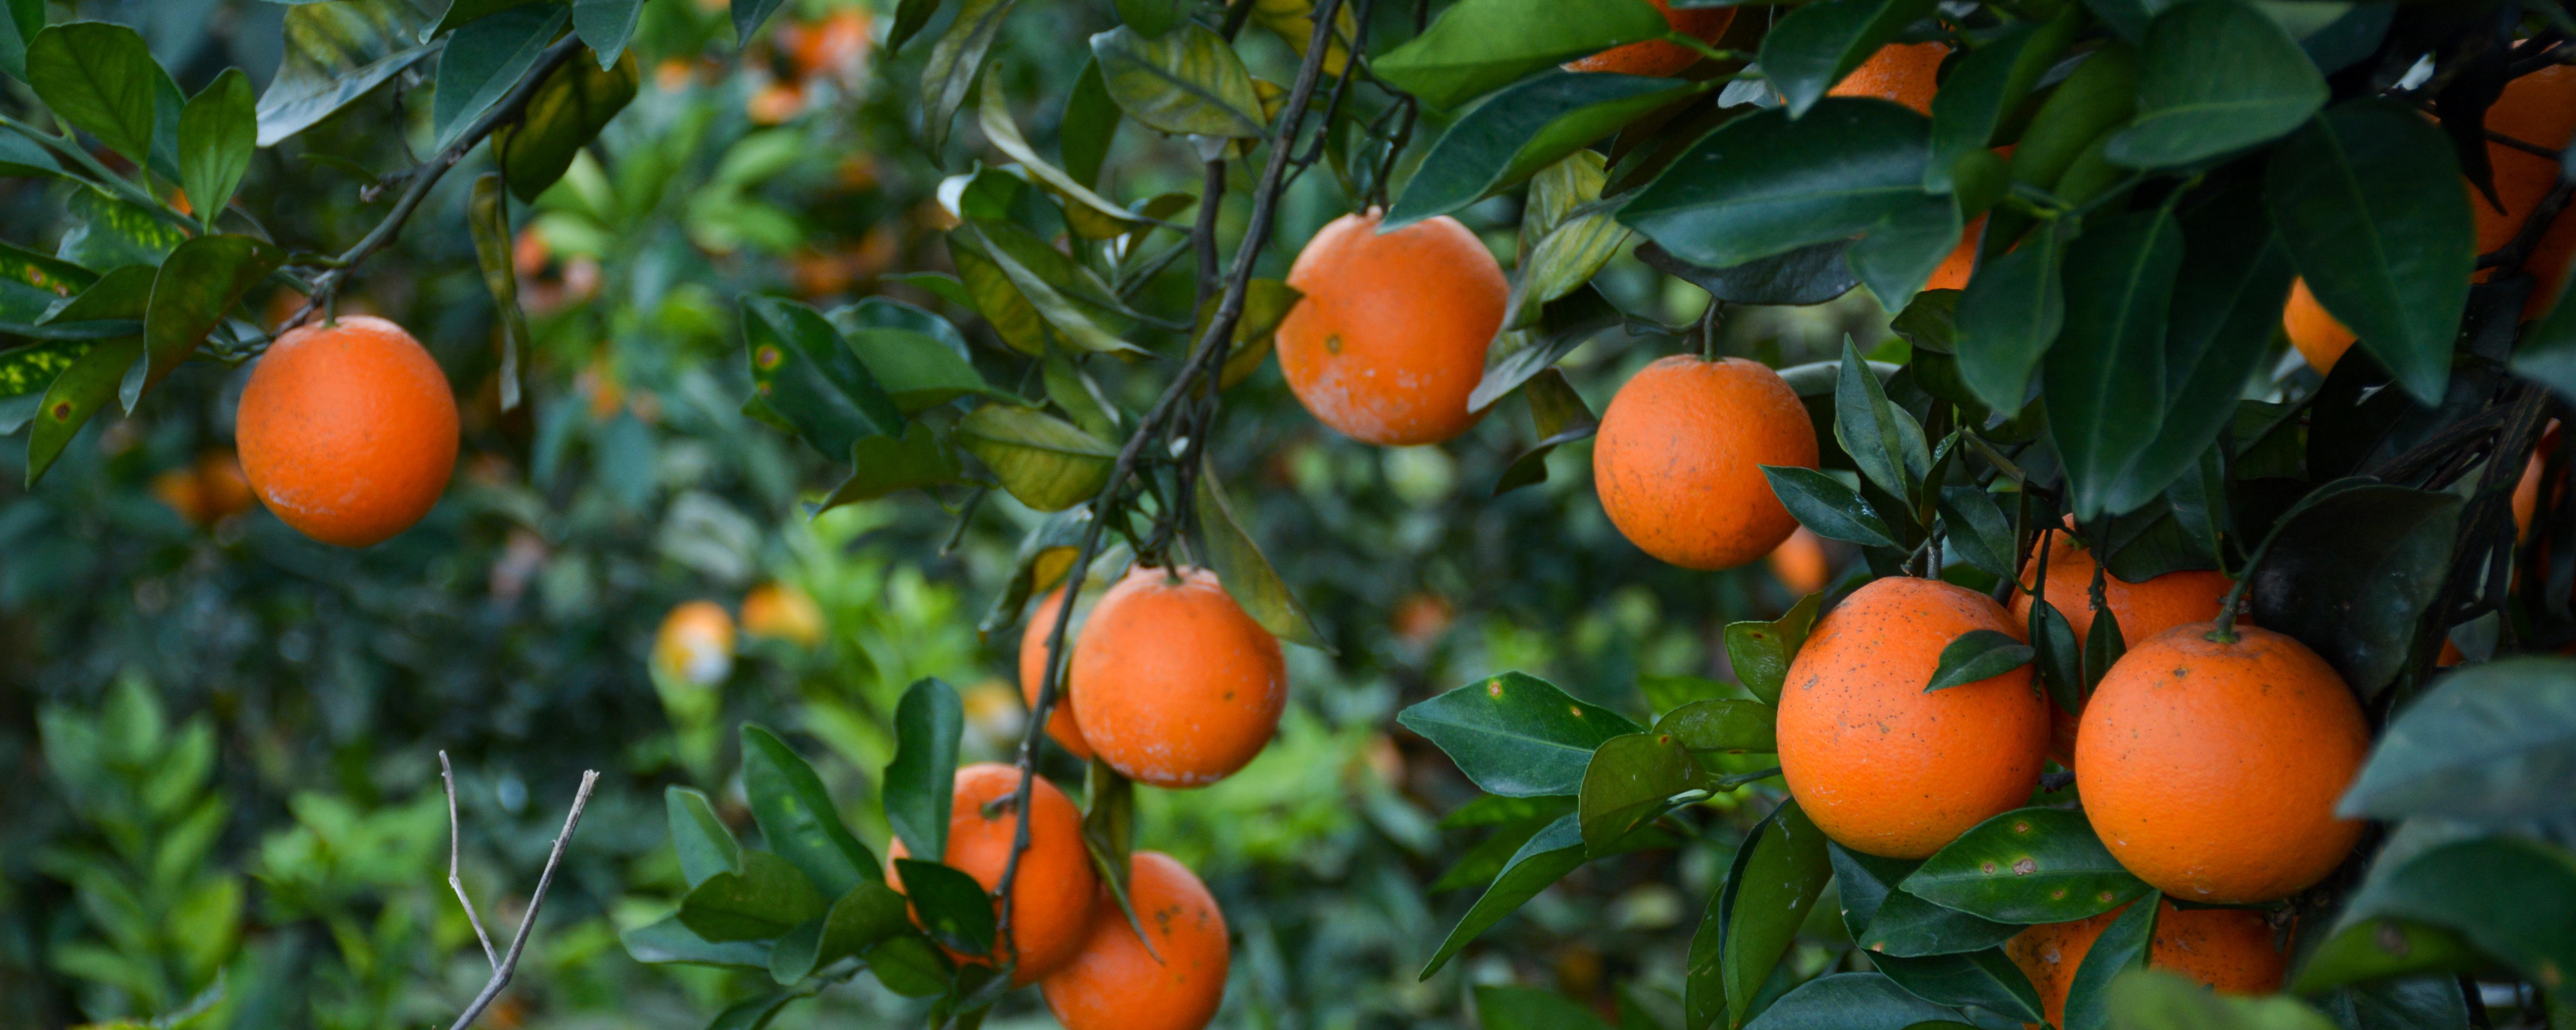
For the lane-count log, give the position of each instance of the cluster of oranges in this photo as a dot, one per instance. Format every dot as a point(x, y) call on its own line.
point(695, 644)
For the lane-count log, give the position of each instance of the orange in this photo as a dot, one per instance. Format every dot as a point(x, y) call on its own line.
point(1903, 72)
point(348, 430)
point(1882, 766)
point(2211, 769)
point(2231, 949)
point(1391, 337)
point(695, 644)
point(1061, 724)
point(2316, 334)
point(1656, 58)
point(2536, 108)
point(1173, 684)
point(780, 611)
point(1115, 983)
point(1679, 455)
point(207, 492)
point(1954, 270)
point(2143, 609)
point(1051, 901)
point(1799, 562)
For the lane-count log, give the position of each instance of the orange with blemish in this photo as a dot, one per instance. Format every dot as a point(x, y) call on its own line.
point(1173, 684)
point(1033, 655)
point(1052, 898)
point(1678, 461)
point(1115, 982)
point(348, 430)
point(1390, 339)
point(2142, 609)
point(2230, 949)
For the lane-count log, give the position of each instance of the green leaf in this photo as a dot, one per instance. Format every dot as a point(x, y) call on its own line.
point(1531, 1008)
point(919, 782)
point(1568, 251)
point(1478, 46)
point(956, 62)
point(1978, 532)
point(2216, 76)
point(706, 847)
point(32, 284)
point(1246, 573)
point(197, 284)
point(336, 53)
point(1515, 734)
point(1828, 508)
point(1669, 694)
point(1881, 438)
point(1266, 303)
point(1976, 656)
point(122, 294)
point(1760, 652)
point(1900, 253)
point(1983, 979)
point(1561, 418)
point(910, 17)
point(801, 370)
point(1631, 780)
point(1188, 82)
point(868, 914)
point(1548, 856)
point(1042, 460)
point(2009, 315)
point(1089, 126)
point(1988, 85)
point(1066, 295)
point(2492, 743)
point(1887, 921)
point(2055, 654)
point(909, 965)
point(1762, 184)
point(1527, 126)
point(1817, 44)
point(748, 16)
point(101, 78)
point(488, 215)
point(672, 941)
point(2364, 200)
point(2124, 945)
point(2029, 865)
point(1765, 899)
point(1520, 354)
point(882, 465)
point(20, 21)
point(110, 233)
point(606, 26)
point(566, 112)
point(1481, 863)
point(796, 816)
point(2506, 896)
point(1808, 275)
point(888, 313)
point(1090, 214)
point(1850, 1001)
point(2372, 949)
point(24, 158)
point(752, 1013)
point(77, 394)
point(26, 371)
point(1728, 725)
point(2382, 552)
point(917, 370)
point(2152, 999)
point(2410, 1003)
point(216, 133)
point(1497, 809)
point(1109, 834)
point(484, 60)
point(951, 905)
point(768, 897)
point(2104, 383)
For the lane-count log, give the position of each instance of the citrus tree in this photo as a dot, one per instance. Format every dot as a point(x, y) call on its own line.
point(2179, 643)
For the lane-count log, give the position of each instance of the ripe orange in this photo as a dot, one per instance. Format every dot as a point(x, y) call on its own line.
point(1903, 72)
point(1061, 724)
point(2230, 949)
point(207, 492)
point(2143, 610)
point(1677, 462)
point(1114, 983)
point(1051, 901)
point(1882, 766)
point(1954, 270)
point(1173, 684)
point(1655, 58)
point(695, 644)
point(1392, 334)
point(348, 430)
point(2211, 769)
point(1799, 562)
point(2536, 108)
point(780, 611)
point(2316, 334)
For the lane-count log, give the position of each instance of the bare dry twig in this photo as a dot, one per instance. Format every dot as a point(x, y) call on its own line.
point(507, 965)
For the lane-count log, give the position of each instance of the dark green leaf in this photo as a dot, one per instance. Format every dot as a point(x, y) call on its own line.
point(1987, 86)
point(918, 782)
point(2492, 743)
point(1850, 1001)
point(1983, 978)
point(796, 816)
point(1881, 438)
point(1481, 863)
point(951, 905)
point(2103, 646)
point(2055, 653)
point(752, 1013)
point(748, 16)
point(888, 313)
point(484, 60)
point(20, 21)
point(217, 130)
point(2349, 571)
point(2411, 1003)
point(1765, 899)
point(956, 62)
point(2368, 950)
point(2152, 999)
point(910, 17)
point(801, 370)
point(706, 847)
point(671, 941)
point(1724, 725)
point(1560, 417)
point(882, 465)
point(1817, 44)
point(488, 214)
point(1545, 859)
point(2506, 896)
point(1900, 253)
point(2030, 865)
point(2009, 315)
point(909, 965)
point(566, 112)
point(1828, 508)
point(1978, 655)
point(25, 158)
point(2216, 76)
point(1808, 275)
point(768, 897)
point(2124, 945)
point(1523, 128)
point(124, 294)
point(1520, 354)
point(1186, 83)
point(1978, 532)
point(1516, 734)
point(32, 284)
point(336, 53)
point(1090, 124)
point(2104, 383)
point(917, 370)
point(1760, 652)
point(606, 26)
point(1907, 926)
point(1062, 292)
point(101, 78)
point(1044, 461)
point(1762, 184)
point(1531, 1008)
point(1152, 18)
point(111, 233)
point(1245, 572)
point(1479, 46)
point(1632, 779)
point(2364, 200)
point(76, 395)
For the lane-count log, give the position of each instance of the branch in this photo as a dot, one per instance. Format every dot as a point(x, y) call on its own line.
point(454, 836)
point(509, 964)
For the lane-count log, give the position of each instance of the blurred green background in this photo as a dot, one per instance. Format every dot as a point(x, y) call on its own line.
point(219, 738)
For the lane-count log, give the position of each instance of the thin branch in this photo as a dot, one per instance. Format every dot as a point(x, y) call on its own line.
point(454, 837)
point(519, 941)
